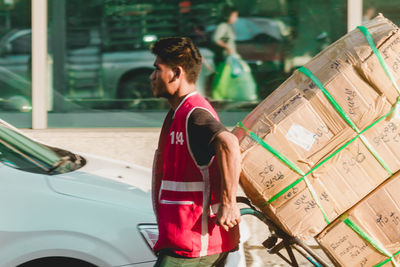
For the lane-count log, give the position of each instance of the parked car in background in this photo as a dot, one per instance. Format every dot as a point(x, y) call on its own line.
point(64, 209)
point(15, 84)
point(95, 76)
point(257, 38)
point(262, 43)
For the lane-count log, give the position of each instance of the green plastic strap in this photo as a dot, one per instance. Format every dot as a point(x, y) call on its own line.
point(316, 199)
point(371, 43)
point(335, 104)
point(387, 260)
point(287, 188)
point(305, 71)
point(274, 152)
point(366, 237)
point(339, 109)
point(286, 161)
point(283, 191)
point(375, 154)
point(317, 82)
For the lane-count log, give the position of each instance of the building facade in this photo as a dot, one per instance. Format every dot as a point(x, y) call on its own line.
point(70, 63)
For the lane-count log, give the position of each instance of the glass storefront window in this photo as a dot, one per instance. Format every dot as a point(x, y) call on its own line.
point(107, 62)
point(390, 9)
point(99, 59)
point(106, 52)
point(15, 57)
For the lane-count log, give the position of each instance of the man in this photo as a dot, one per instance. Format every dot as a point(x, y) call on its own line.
point(196, 167)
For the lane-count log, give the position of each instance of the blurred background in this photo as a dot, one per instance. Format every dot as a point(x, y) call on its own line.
point(98, 58)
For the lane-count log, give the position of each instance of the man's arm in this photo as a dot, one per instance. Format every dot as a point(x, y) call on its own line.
point(227, 152)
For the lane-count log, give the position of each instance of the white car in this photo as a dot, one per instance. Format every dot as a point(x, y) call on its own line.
point(63, 209)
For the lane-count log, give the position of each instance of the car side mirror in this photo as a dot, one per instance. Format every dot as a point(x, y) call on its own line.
point(5, 49)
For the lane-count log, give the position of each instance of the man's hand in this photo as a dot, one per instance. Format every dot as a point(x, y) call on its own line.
point(228, 216)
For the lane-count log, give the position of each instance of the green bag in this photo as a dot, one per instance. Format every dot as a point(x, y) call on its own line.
point(233, 80)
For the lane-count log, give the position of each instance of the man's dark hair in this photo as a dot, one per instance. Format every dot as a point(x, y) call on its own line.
point(179, 51)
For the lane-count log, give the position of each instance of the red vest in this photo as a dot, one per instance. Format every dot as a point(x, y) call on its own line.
point(189, 194)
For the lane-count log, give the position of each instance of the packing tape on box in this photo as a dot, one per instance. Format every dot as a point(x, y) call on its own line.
point(371, 43)
point(291, 165)
point(343, 114)
point(364, 30)
point(286, 161)
point(394, 110)
point(389, 259)
point(370, 240)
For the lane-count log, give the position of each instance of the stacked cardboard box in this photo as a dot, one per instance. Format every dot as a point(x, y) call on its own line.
point(377, 218)
point(344, 158)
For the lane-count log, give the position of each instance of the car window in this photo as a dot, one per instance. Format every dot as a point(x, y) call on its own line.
point(20, 152)
point(21, 45)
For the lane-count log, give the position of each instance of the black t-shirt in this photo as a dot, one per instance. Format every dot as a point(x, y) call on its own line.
point(202, 129)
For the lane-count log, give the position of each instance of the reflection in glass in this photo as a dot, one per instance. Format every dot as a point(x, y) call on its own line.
point(20, 152)
point(99, 58)
point(15, 54)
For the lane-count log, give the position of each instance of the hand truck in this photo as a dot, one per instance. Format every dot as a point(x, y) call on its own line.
point(279, 240)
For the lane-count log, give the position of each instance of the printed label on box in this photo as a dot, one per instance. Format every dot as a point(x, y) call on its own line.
point(301, 136)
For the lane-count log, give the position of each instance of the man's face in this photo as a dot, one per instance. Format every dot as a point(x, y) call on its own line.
point(162, 79)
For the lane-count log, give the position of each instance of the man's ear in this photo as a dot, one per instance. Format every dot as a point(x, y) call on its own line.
point(177, 73)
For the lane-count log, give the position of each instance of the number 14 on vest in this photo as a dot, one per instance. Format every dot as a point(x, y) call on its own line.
point(176, 137)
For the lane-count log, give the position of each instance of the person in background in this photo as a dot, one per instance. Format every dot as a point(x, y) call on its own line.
point(233, 79)
point(369, 14)
point(196, 166)
point(224, 35)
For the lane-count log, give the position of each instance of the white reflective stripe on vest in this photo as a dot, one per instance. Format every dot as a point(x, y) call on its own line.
point(177, 202)
point(182, 186)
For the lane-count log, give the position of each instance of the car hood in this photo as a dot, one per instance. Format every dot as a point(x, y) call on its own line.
point(107, 181)
point(134, 175)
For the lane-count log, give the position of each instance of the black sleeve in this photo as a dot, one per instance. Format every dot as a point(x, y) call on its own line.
point(202, 129)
